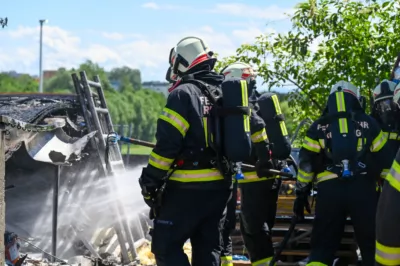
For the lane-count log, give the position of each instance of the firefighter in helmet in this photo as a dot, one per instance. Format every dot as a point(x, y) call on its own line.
point(386, 113)
point(188, 182)
point(259, 194)
point(388, 214)
point(340, 149)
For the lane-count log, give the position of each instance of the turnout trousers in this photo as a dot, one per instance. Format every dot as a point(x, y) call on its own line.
point(257, 217)
point(336, 199)
point(194, 214)
point(229, 225)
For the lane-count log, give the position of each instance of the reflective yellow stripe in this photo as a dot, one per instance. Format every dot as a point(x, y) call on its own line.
point(160, 162)
point(311, 145)
point(316, 263)
point(245, 102)
point(226, 260)
point(384, 173)
point(259, 136)
point(263, 262)
point(321, 143)
point(393, 135)
point(393, 177)
point(175, 120)
point(325, 175)
point(341, 107)
point(250, 177)
point(360, 143)
point(387, 255)
point(305, 177)
point(279, 112)
point(205, 127)
point(378, 142)
point(203, 175)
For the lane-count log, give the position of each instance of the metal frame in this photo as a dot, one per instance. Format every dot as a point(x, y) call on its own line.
point(97, 118)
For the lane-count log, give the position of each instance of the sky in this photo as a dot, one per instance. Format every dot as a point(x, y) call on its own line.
point(133, 33)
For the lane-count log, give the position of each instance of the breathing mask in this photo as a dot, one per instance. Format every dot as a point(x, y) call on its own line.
point(386, 111)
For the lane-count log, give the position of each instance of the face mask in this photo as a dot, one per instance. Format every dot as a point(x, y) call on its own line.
point(386, 110)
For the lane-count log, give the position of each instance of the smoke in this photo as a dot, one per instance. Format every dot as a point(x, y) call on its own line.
point(86, 208)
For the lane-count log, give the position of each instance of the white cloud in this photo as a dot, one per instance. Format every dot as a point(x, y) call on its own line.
point(243, 10)
point(151, 5)
point(113, 36)
point(149, 53)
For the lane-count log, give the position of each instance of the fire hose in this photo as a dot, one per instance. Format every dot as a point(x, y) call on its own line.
point(114, 138)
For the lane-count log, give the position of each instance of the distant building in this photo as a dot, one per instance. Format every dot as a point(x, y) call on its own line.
point(158, 86)
point(47, 74)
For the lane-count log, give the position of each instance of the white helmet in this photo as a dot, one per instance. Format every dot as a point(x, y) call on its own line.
point(239, 70)
point(345, 87)
point(190, 52)
point(382, 92)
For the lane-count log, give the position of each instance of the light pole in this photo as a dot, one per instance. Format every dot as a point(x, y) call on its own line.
point(41, 21)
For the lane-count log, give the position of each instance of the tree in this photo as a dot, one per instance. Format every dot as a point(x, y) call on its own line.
point(60, 82)
point(133, 75)
point(140, 107)
point(353, 41)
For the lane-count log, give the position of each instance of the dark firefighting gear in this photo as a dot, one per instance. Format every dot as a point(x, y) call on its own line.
point(345, 184)
point(199, 179)
point(258, 196)
point(229, 225)
point(386, 112)
point(270, 112)
point(388, 219)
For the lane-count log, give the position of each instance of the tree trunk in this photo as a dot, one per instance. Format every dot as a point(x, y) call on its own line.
point(2, 197)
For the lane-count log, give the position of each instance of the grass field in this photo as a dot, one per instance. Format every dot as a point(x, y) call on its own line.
point(135, 149)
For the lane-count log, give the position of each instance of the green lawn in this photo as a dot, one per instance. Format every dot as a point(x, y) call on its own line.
point(135, 149)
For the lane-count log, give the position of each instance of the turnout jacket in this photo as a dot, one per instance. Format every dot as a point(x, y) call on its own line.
point(313, 162)
point(388, 218)
point(182, 133)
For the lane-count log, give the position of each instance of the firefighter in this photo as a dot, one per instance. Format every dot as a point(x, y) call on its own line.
point(388, 214)
point(386, 113)
point(341, 148)
point(187, 182)
point(258, 195)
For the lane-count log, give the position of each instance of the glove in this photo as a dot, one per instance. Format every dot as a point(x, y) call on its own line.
point(149, 193)
point(300, 204)
point(262, 166)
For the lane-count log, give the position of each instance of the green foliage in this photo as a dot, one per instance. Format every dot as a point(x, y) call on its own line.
point(131, 104)
point(358, 42)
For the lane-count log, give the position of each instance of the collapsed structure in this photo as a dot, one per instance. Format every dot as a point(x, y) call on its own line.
point(55, 150)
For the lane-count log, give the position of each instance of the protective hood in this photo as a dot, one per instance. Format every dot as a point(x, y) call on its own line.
point(206, 76)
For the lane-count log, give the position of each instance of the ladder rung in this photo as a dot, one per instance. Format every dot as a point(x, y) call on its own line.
point(94, 84)
point(101, 110)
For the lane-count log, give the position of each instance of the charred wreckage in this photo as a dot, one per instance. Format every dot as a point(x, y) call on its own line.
point(54, 146)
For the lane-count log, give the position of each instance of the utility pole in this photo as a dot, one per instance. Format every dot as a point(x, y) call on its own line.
point(41, 21)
